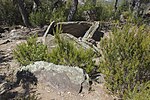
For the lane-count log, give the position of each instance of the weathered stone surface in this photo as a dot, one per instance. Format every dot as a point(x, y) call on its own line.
point(91, 31)
point(20, 32)
point(59, 77)
point(50, 42)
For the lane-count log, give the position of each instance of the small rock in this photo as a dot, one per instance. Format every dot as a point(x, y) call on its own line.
point(81, 95)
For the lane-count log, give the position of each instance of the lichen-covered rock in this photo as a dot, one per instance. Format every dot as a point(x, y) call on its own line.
point(59, 77)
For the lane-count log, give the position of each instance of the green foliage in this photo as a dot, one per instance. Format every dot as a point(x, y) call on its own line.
point(60, 14)
point(38, 18)
point(125, 58)
point(9, 13)
point(30, 52)
point(140, 92)
point(48, 12)
point(130, 18)
point(66, 53)
point(123, 8)
point(102, 11)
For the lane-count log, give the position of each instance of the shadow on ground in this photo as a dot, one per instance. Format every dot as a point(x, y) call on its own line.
point(4, 57)
point(24, 80)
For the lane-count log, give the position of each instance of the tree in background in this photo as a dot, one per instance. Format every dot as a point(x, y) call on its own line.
point(36, 5)
point(23, 12)
point(39, 13)
point(136, 7)
point(115, 6)
point(73, 10)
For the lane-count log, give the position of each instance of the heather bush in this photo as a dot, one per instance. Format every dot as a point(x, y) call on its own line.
point(67, 53)
point(125, 58)
point(27, 53)
point(139, 92)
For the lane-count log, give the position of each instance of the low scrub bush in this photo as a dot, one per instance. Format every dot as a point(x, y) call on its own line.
point(27, 53)
point(39, 18)
point(67, 53)
point(125, 58)
point(139, 92)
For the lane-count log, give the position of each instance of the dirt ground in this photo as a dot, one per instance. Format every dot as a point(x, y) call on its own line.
point(8, 66)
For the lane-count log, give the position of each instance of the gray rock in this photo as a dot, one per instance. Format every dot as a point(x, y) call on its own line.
point(59, 77)
point(18, 34)
point(50, 42)
point(24, 32)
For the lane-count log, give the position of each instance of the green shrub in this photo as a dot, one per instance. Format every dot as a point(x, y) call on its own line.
point(42, 15)
point(9, 13)
point(122, 7)
point(67, 53)
point(60, 14)
point(39, 18)
point(140, 92)
point(81, 8)
point(102, 10)
point(47, 12)
point(27, 53)
point(125, 58)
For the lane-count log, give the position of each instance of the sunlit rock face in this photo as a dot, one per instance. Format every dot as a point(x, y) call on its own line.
point(59, 77)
